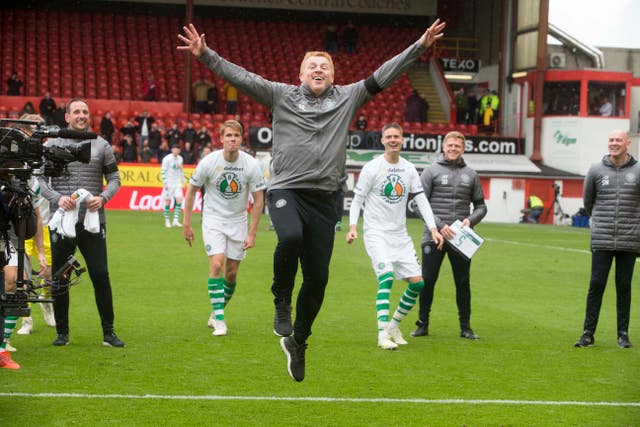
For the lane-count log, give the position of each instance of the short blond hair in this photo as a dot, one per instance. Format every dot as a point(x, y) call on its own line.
point(233, 124)
point(317, 53)
point(454, 134)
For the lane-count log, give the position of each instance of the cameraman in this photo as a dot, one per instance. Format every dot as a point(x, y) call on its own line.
point(93, 246)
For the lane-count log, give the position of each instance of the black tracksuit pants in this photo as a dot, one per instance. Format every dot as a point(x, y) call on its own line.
point(460, 265)
point(93, 247)
point(304, 221)
point(601, 262)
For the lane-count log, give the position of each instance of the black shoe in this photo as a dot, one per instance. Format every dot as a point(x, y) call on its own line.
point(623, 341)
point(282, 321)
point(61, 339)
point(112, 340)
point(422, 329)
point(468, 334)
point(586, 340)
point(295, 357)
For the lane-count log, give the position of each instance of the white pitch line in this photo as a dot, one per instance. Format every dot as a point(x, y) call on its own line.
point(326, 399)
point(535, 245)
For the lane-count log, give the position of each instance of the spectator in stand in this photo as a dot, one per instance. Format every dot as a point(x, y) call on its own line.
point(14, 84)
point(472, 103)
point(163, 150)
point(59, 116)
point(146, 154)
point(188, 155)
point(47, 107)
point(115, 149)
point(28, 109)
point(495, 103)
point(173, 135)
point(462, 106)
point(484, 103)
point(129, 129)
point(144, 122)
point(350, 37)
point(129, 149)
point(361, 123)
point(206, 150)
point(189, 133)
point(149, 89)
point(201, 94)
point(232, 98)
point(155, 139)
point(106, 127)
point(212, 100)
point(202, 138)
point(331, 39)
point(416, 109)
point(606, 109)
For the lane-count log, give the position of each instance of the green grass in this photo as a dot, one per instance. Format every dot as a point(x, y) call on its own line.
point(529, 288)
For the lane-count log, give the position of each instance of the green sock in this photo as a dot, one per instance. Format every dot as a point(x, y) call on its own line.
point(176, 211)
point(385, 281)
point(216, 296)
point(229, 289)
point(408, 300)
point(167, 212)
point(9, 326)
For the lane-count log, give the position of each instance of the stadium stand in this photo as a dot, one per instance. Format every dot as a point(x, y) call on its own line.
point(117, 51)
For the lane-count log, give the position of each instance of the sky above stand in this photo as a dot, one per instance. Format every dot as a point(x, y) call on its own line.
point(608, 23)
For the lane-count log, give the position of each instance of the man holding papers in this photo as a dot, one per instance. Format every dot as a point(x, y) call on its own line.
point(451, 188)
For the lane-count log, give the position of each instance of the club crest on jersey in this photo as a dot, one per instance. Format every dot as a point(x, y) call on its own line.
point(229, 185)
point(393, 189)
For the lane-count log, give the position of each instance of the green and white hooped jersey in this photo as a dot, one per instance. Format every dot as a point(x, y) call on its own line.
point(385, 188)
point(227, 185)
point(172, 171)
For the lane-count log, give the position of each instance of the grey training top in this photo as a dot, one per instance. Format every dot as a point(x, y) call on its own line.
point(310, 133)
point(451, 188)
point(84, 175)
point(612, 198)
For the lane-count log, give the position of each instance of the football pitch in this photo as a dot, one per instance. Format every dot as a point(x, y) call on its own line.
point(528, 283)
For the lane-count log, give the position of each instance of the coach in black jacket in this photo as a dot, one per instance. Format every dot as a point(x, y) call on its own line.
point(451, 187)
point(612, 199)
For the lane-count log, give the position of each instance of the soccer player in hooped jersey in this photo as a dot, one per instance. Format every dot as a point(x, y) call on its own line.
point(172, 179)
point(229, 176)
point(385, 186)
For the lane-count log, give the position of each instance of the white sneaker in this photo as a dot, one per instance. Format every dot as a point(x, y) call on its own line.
point(212, 320)
point(47, 310)
point(9, 347)
point(384, 341)
point(396, 336)
point(26, 328)
point(176, 223)
point(219, 328)
point(167, 223)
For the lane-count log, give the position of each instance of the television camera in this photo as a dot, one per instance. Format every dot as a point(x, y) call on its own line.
point(23, 156)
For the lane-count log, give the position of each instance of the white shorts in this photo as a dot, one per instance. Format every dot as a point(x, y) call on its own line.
point(392, 252)
point(172, 192)
point(227, 239)
point(13, 256)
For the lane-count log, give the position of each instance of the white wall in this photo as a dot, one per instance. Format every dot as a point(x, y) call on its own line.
point(573, 144)
point(504, 203)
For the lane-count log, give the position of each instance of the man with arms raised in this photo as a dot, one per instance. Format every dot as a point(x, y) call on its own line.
point(310, 130)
